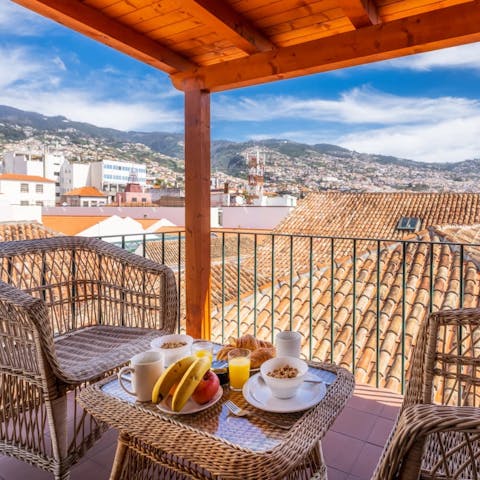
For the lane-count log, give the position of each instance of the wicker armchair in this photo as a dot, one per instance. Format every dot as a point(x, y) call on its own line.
point(72, 310)
point(437, 434)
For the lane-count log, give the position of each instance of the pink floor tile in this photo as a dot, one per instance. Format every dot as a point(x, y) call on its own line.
point(334, 474)
point(354, 423)
point(341, 451)
point(381, 431)
point(367, 461)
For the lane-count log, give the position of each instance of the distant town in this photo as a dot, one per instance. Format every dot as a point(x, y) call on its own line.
point(52, 161)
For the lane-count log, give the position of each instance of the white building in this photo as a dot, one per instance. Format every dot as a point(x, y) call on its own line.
point(18, 189)
point(45, 165)
point(267, 200)
point(73, 175)
point(111, 176)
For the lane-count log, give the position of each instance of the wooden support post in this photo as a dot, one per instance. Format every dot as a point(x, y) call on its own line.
point(197, 212)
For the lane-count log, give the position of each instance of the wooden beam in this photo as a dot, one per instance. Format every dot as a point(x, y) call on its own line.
point(447, 27)
point(362, 13)
point(228, 23)
point(91, 22)
point(197, 212)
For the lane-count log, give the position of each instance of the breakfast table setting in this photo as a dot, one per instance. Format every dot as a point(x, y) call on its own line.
point(198, 410)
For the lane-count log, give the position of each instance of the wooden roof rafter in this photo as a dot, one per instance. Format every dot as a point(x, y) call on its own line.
point(362, 13)
point(93, 23)
point(446, 27)
point(229, 24)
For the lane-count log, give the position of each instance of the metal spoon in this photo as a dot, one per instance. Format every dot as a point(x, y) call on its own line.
point(308, 380)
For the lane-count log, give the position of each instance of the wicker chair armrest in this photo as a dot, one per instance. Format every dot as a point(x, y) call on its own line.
point(459, 316)
point(402, 455)
point(24, 334)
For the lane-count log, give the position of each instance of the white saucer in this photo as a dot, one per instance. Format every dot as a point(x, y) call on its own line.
point(191, 406)
point(259, 395)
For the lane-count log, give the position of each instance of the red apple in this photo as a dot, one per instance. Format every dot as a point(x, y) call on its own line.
point(207, 388)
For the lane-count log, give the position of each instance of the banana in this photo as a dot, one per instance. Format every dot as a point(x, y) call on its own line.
point(170, 376)
point(189, 382)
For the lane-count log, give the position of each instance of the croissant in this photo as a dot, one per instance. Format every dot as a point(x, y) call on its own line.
point(247, 341)
point(260, 355)
point(264, 344)
point(222, 354)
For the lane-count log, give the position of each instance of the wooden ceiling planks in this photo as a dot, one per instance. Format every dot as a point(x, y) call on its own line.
point(362, 13)
point(93, 23)
point(441, 28)
point(244, 42)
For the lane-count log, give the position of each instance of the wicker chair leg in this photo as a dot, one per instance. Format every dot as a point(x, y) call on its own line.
point(118, 462)
point(60, 437)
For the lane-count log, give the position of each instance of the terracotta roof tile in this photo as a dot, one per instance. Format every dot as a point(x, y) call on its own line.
point(25, 178)
point(359, 215)
point(85, 192)
point(71, 225)
point(10, 231)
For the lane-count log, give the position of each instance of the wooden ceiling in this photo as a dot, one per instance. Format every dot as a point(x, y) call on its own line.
point(222, 44)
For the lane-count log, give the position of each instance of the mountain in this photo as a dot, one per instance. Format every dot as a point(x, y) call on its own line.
point(291, 166)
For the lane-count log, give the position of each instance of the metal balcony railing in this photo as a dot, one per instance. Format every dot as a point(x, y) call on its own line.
point(359, 302)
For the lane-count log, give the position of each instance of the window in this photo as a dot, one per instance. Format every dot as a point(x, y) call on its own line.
point(24, 203)
point(409, 223)
point(24, 188)
point(134, 199)
point(85, 203)
point(39, 203)
point(144, 200)
point(39, 188)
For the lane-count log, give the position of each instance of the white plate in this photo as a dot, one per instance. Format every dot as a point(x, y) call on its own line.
point(191, 406)
point(259, 395)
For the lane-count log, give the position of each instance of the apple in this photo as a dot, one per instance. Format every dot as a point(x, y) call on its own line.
point(207, 388)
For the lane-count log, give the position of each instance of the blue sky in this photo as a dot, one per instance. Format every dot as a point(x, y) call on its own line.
point(424, 107)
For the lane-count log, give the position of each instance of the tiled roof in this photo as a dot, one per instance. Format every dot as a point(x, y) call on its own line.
point(25, 178)
point(417, 302)
point(360, 215)
point(71, 225)
point(469, 235)
point(85, 192)
point(10, 231)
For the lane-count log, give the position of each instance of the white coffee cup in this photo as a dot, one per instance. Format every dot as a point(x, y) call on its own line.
point(145, 368)
point(288, 344)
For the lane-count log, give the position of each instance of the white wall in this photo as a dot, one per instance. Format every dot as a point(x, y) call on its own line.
point(16, 213)
point(11, 189)
point(254, 217)
point(73, 175)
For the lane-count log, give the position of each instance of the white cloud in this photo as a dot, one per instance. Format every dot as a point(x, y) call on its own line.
point(465, 56)
point(446, 141)
point(358, 106)
point(19, 21)
point(444, 129)
point(33, 82)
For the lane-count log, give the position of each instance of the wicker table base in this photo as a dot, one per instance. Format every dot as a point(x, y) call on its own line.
point(212, 445)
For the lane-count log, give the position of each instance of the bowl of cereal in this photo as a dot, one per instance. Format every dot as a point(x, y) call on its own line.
point(284, 375)
point(173, 347)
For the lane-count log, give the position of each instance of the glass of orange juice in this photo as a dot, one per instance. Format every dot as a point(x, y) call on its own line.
point(238, 367)
point(203, 348)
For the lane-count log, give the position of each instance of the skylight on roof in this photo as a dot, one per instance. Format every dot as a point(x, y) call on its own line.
point(409, 223)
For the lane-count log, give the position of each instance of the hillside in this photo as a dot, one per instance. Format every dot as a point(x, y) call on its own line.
point(290, 165)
